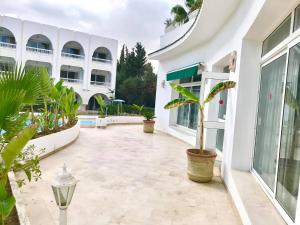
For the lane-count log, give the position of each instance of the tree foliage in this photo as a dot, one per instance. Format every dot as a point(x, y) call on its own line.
point(136, 81)
point(181, 13)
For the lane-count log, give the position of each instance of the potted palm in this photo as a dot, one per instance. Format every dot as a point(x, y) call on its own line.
point(101, 120)
point(149, 122)
point(200, 161)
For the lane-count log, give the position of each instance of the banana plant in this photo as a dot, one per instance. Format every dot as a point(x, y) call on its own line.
point(101, 104)
point(45, 83)
point(138, 108)
point(69, 106)
point(190, 98)
point(57, 93)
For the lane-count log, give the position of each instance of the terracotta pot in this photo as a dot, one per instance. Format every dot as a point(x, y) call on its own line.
point(149, 126)
point(200, 166)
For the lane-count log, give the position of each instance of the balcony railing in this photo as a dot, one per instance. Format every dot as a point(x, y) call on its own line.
point(102, 60)
point(96, 83)
point(74, 56)
point(39, 50)
point(70, 80)
point(7, 45)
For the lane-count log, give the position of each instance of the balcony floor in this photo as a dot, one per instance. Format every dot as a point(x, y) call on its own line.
point(129, 178)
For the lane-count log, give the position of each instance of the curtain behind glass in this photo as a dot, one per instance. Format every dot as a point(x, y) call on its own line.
point(268, 120)
point(289, 159)
point(193, 117)
point(187, 116)
point(182, 115)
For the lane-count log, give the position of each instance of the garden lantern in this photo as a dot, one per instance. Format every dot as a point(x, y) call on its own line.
point(63, 188)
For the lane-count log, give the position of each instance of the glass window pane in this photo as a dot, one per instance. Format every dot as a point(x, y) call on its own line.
point(289, 157)
point(197, 78)
point(193, 114)
point(185, 80)
point(100, 78)
point(214, 139)
point(63, 74)
point(281, 33)
point(220, 139)
point(222, 104)
point(297, 18)
point(268, 120)
point(93, 77)
point(182, 117)
point(187, 116)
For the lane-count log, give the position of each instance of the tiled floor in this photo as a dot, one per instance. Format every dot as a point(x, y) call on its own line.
point(129, 178)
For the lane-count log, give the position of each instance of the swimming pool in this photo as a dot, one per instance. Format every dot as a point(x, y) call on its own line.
point(87, 122)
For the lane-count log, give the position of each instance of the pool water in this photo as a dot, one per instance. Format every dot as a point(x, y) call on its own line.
point(87, 122)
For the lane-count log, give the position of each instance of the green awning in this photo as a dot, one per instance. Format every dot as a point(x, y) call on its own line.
point(183, 73)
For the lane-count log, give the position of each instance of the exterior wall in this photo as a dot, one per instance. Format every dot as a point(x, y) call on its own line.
point(244, 33)
point(23, 30)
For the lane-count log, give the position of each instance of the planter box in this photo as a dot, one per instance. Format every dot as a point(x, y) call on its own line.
point(125, 120)
point(101, 122)
point(54, 142)
point(50, 143)
point(94, 121)
point(20, 206)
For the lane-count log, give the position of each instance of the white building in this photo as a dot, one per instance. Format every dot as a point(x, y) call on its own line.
point(85, 62)
point(256, 130)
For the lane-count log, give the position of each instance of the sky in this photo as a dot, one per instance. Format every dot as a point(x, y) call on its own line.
point(128, 21)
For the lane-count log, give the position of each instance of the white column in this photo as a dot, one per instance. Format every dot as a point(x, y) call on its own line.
point(241, 126)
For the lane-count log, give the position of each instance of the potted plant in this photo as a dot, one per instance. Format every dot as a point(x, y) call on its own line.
point(101, 120)
point(200, 161)
point(149, 122)
point(138, 108)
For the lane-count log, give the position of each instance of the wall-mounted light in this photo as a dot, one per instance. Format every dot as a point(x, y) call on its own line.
point(163, 83)
point(201, 68)
point(232, 61)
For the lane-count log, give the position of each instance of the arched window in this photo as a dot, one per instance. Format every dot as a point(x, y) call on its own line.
point(102, 54)
point(7, 38)
point(73, 49)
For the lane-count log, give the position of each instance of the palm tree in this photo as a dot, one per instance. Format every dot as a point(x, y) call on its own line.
point(181, 15)
point(168, 22)
point(17, 88)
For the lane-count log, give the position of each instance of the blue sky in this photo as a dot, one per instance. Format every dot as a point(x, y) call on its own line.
point(128, 21)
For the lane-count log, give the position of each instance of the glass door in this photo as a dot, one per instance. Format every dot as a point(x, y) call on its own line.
point(287, 185)
point(268, 120)
point(277, 143)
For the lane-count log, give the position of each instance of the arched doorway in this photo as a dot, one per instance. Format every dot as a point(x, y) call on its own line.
point(93, 104)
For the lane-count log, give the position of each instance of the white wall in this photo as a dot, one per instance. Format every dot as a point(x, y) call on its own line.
point(23, 30)
point(244, 33)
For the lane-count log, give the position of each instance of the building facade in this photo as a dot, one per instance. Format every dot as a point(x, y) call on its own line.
point(254, 127)
point(85, 62)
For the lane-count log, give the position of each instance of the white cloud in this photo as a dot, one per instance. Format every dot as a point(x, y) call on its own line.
point(128, 21)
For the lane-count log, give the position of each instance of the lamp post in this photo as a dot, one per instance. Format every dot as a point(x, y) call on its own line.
point(63, 189)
